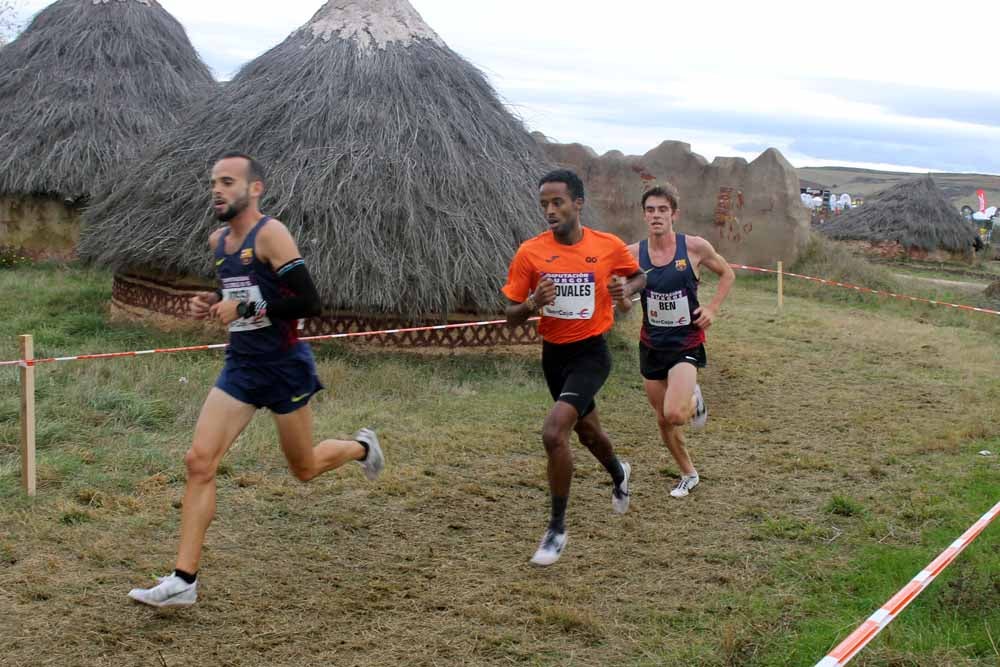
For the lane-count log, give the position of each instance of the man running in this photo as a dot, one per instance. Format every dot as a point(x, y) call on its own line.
point(266, 288)
point(671, 343)
point(573, 274)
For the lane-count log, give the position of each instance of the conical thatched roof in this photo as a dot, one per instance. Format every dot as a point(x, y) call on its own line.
point(914, 213)
point(406, 182)
point(85, 86)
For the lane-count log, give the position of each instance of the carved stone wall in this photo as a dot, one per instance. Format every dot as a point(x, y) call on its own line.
point(751, 212)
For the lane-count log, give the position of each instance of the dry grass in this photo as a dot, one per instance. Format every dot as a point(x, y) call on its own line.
point(428, 566)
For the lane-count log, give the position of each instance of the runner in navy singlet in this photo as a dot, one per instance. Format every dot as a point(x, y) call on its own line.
point(265, 289)
point(671, 344)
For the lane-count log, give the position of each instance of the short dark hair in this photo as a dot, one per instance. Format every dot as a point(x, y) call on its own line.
point(255, 171)
point(566, 176)
point(665, 190)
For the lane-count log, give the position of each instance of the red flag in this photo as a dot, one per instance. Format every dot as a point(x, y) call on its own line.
point(982, 200)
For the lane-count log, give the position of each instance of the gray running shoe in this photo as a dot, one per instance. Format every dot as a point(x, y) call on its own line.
point(375, 461)
point(171, 591)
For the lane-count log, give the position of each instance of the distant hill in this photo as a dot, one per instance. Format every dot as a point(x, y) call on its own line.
point(960, 189)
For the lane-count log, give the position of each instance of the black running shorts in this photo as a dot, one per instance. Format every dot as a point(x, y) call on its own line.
point(575, 372)
point(656, 364)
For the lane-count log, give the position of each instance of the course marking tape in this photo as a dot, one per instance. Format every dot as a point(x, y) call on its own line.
point(387, 332)
point(868, 290)
point(867, 631)
point(220, 346)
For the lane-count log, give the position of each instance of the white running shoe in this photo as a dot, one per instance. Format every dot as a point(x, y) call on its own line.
point(700, 409)
point(550, 549)
point(619, 494)
point(171, 591)
point(684, 486)
point(375, 461)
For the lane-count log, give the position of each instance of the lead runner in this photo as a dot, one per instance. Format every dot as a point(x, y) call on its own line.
point(265, 289)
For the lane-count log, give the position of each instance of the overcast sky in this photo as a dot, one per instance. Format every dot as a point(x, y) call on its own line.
point(877, 83)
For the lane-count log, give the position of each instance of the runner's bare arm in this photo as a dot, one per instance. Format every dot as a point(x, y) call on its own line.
point(632, 285)
point(201, 302)
point(625, 305)
point(275, 245)
point(705, 315)
point(519, 312)
point(635, 283)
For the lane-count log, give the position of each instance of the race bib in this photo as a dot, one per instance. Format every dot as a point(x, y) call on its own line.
point(574, 296)
point(242, 289)
point(668, 310)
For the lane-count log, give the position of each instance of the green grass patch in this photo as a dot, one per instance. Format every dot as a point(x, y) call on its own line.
point(842, 506)
point(840, 457)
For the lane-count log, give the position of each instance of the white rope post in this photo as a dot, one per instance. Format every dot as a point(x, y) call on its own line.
point(781, 286)
point(27, 416)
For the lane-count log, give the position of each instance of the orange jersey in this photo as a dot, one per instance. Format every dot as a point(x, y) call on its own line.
point(580, 272)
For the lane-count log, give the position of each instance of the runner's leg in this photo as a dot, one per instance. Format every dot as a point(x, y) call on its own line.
point(221, 421)
point(670, 392)
point(593, 437)
point(555, 436)
point(295, 432)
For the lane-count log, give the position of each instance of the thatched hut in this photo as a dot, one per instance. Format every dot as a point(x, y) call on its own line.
point(84, 88)
point(405, 180)
point(910, 219)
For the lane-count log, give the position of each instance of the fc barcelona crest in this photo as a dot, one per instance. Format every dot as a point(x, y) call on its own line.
point(681, 264)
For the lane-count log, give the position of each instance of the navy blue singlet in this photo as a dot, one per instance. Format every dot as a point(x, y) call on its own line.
point(246, 278)
point(669, 301)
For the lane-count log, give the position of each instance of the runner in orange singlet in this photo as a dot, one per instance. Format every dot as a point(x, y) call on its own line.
point(574, 274)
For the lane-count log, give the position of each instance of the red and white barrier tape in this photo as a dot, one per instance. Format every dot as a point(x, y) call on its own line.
point(868, 290)
point(858, 639)
point(221, 346)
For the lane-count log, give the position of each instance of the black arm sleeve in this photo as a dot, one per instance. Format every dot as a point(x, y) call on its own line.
point(302, 299)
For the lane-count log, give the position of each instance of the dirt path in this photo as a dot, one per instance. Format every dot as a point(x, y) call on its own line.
point(956, 284)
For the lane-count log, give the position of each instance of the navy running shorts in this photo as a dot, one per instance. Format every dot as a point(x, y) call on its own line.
point(656, 364)
point(281, 385)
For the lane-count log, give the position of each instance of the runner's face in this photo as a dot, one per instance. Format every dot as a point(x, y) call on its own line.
point(660, 216)
point(230, 189)
point(561, 211)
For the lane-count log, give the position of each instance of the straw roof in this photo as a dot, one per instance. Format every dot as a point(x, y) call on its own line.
point(406, 182)
point(85, 86)
point(914, 213)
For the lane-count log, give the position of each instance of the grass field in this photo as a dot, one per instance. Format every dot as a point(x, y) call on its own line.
point(841, 456)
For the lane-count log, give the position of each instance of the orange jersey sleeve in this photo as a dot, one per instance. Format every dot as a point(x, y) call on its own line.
point(521, 277)
point(625, 264)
